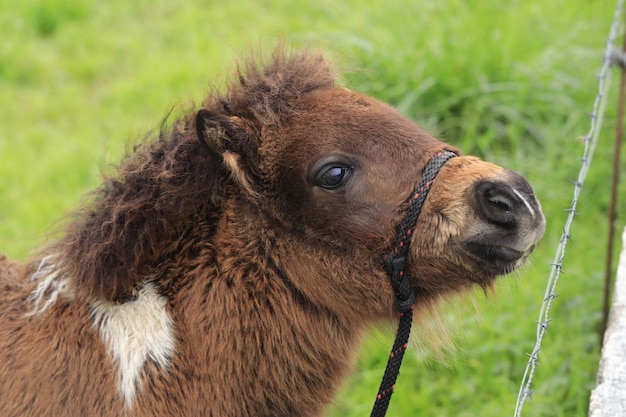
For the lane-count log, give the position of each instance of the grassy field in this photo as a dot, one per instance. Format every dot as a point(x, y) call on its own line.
point(82, 80)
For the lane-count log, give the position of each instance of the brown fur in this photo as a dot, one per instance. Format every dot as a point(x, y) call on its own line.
point(269, 279)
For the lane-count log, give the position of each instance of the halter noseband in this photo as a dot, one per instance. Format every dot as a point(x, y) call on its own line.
point(395, 264)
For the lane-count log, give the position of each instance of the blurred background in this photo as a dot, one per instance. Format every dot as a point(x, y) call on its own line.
point(81, 81)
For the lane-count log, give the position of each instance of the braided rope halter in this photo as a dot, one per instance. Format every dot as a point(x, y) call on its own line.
point(395, 264)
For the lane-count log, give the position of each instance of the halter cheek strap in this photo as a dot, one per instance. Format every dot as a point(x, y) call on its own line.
point(395, 263)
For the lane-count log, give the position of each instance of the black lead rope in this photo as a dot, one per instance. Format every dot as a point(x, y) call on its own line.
point(395, 264)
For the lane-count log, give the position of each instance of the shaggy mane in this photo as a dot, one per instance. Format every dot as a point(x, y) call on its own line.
point(167, 193)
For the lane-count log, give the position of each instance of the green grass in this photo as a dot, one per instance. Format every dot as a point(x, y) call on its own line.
point(513, 82)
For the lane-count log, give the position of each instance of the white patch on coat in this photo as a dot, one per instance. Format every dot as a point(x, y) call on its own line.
point(49, 286)
point(134, 332)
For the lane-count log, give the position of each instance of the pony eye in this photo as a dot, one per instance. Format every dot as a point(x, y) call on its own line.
point(333, 177)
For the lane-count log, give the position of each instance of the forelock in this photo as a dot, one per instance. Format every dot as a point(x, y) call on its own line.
point(268, 92)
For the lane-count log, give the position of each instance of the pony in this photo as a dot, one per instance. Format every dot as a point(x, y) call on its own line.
point(232, 263)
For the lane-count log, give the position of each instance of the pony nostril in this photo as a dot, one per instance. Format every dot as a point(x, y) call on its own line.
point(497, 203)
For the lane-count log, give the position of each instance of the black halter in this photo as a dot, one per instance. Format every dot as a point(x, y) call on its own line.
point(395, 264)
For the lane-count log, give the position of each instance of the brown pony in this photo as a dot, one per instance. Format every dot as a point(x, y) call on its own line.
point(232, 264)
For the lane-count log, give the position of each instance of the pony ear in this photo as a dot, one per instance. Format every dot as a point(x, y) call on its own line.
point(230, 140)
point(218, 132)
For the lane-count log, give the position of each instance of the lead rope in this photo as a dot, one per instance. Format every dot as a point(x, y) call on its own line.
point(395, 264)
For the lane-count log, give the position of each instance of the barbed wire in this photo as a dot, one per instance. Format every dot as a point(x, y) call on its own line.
point(590, 142)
